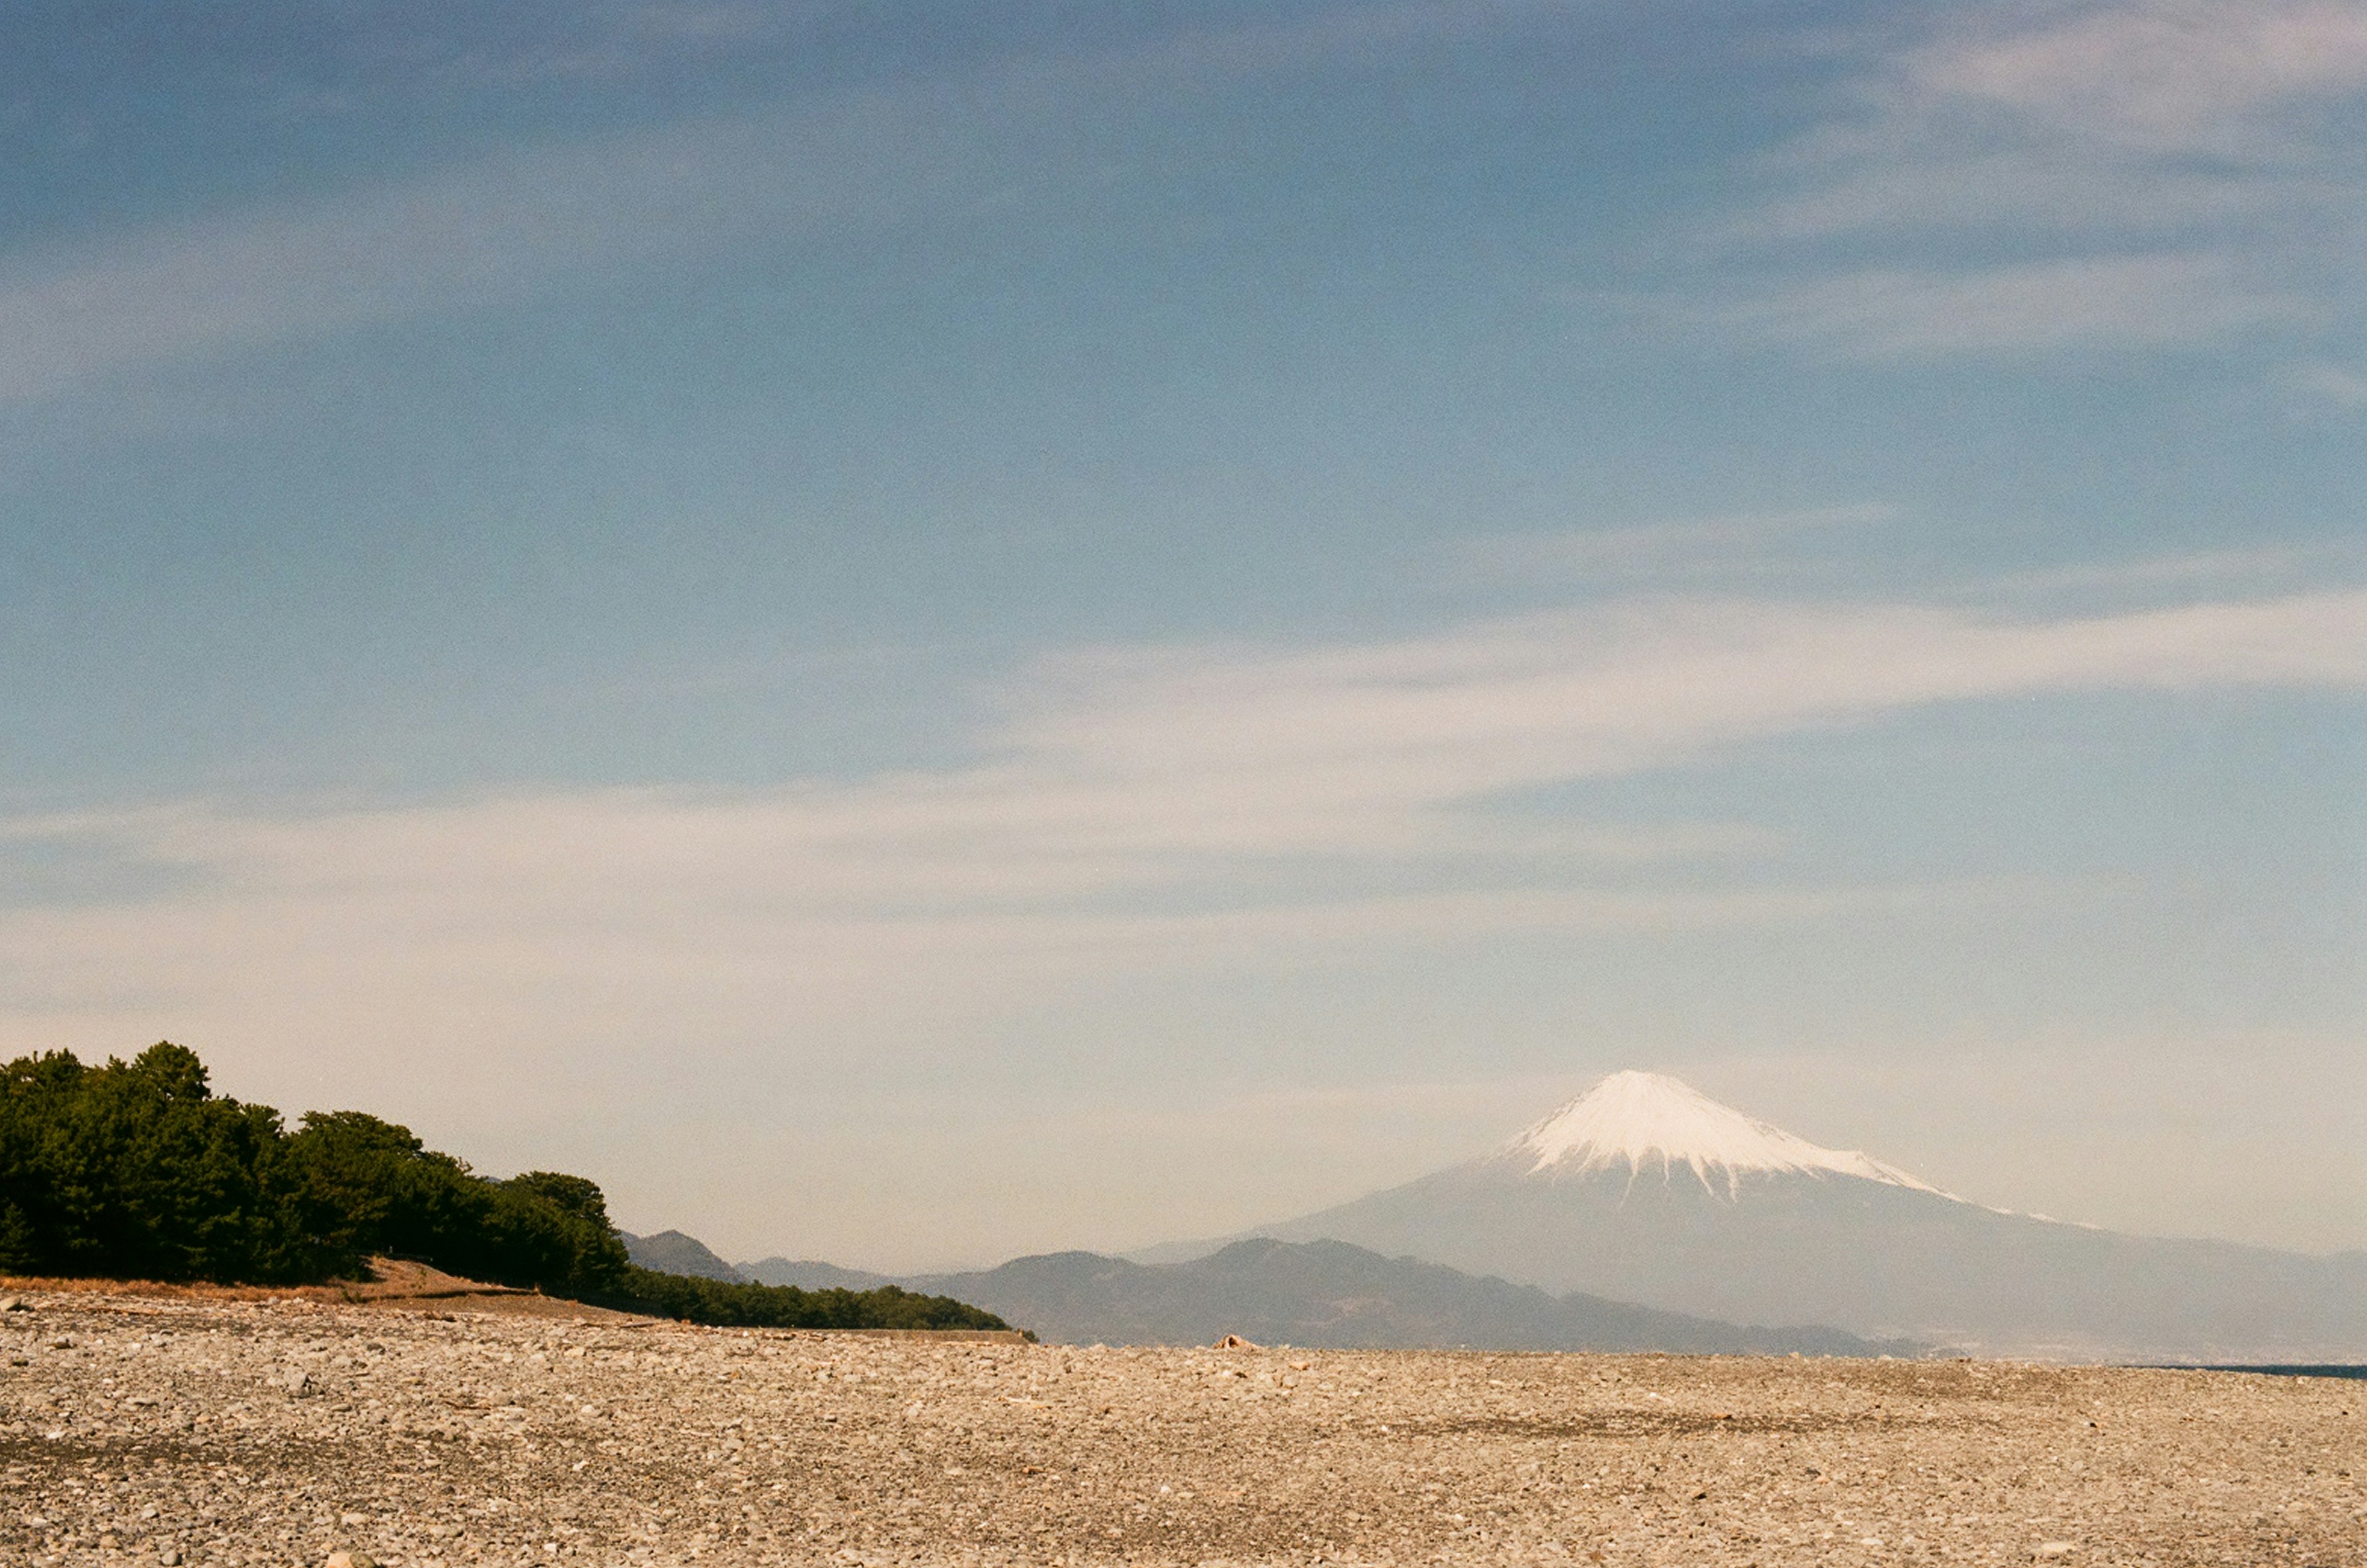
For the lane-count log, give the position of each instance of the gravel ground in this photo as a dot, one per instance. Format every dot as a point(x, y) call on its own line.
point(144, 1430)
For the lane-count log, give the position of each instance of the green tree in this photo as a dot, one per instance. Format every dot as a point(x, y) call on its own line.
point(392, 1195)
point(136, 1170)
point(749, 1305)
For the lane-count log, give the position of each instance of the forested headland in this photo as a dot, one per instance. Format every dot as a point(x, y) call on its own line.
point(136, 1170)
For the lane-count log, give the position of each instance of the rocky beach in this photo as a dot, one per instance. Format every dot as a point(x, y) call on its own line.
point(199, 1430)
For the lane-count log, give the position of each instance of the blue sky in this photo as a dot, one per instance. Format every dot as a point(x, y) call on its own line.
point(912, 632)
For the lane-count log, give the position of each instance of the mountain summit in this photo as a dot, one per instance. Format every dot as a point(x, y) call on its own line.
point(1643, 1191)
point(1646, 1122)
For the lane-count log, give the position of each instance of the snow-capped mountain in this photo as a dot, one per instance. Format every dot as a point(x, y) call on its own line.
point(1644, 1190)
point(1639, 1121)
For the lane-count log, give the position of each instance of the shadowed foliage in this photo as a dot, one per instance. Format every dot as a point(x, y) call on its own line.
point(139, 1171)
point(386, 1193)
point(739, 1305)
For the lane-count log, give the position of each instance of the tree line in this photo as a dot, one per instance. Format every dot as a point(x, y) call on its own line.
point(136, 1170)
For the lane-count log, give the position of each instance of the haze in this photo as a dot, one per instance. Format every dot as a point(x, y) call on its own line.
point(915, 632)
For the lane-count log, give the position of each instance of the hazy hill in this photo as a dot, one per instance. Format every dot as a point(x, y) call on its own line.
point(672, 1252)
point(1644, 1190)
point(1328, 1293)
point(808, 1274)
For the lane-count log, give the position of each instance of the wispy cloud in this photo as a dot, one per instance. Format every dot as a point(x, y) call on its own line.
point(2182, 74)
point(1131, 806)
point(509, 228)
point(1683, 548)
point(2128, 174)
point(2136, 301)
point(937, 146)
point(608, 38)
point(2205, 574)
point(2336, 383)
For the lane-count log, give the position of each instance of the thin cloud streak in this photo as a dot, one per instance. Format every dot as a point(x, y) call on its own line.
point(509, 229)
point(2345, 388)
point(2112, 302)
point(1689, 549)
point(2143, 174)
point(1134, 807)
point(2163, 73)
point(539, 223)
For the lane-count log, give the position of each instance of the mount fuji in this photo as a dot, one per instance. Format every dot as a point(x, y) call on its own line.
point(1644, 1190)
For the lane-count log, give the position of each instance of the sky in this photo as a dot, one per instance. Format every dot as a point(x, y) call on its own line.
point(910, 631)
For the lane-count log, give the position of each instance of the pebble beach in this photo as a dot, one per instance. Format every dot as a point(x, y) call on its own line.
point(237, 1433)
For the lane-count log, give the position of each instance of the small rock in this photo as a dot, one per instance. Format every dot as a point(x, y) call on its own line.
point(2046, 1549)
point(350, 1560)
point(13, 1303)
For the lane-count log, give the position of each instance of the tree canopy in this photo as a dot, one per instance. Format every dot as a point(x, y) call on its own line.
point(138, 1170)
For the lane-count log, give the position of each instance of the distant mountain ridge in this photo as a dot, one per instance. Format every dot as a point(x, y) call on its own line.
point(672, 1252)
point(1329, 1295)
point(1645, 1216)
point(810, 1274)
point(1322, 1295)
point(1644, 1190)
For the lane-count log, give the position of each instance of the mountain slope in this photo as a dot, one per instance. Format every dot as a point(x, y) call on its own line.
point(1330, 1294)
point(1644, 1190)
point(808, 1274)
point(672, 1252)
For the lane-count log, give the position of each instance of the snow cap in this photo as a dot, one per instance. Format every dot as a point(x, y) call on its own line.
point(1643, 1118)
